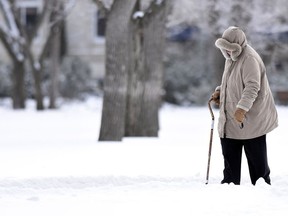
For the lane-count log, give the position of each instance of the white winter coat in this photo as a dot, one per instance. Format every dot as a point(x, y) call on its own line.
point(244, 85)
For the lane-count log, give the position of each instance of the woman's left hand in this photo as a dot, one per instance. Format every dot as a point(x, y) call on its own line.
point(239, 115)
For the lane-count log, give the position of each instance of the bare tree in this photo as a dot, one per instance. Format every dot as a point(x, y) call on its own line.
point(13, 42)
point(54, 12)
point(18, 41)
point(134, 69)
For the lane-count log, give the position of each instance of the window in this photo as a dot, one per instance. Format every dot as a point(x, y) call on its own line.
point(28, 12)
point(29, 17)
point(100, 25)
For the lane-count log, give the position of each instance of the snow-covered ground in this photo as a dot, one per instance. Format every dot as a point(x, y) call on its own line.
point(52, 164)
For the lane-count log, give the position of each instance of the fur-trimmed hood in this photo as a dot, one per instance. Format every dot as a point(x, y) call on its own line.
point(234, 40)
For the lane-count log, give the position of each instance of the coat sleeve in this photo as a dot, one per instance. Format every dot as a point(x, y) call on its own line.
point(251, 78)
point(218, 88)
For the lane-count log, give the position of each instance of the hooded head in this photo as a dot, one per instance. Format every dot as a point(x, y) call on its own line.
point(232, 40)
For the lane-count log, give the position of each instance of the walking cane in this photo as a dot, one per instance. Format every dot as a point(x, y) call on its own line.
point(211, 138)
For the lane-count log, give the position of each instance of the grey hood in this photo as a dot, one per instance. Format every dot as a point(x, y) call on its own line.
point(234, 40)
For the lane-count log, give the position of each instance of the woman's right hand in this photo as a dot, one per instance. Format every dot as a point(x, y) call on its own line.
point(216, 97)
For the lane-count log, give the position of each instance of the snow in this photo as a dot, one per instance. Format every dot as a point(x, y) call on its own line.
point(138, 14)
point(37, 65)
point(52, 164)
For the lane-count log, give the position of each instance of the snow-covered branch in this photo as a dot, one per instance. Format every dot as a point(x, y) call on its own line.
point(10, 34)
point(6, 43)
point(138, 14)
point(13, 29)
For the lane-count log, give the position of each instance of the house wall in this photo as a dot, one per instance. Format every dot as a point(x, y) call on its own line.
point(81, 36)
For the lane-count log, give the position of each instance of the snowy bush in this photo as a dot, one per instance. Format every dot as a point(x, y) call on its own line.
point(188, 75)
point(76, 79)
point(273, 48)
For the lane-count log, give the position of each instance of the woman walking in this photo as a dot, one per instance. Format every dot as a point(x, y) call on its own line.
point(247, 109)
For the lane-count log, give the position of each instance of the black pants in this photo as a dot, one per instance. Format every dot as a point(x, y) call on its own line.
point(256, 153)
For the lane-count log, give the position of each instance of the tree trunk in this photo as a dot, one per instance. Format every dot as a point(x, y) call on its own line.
point(37, 73)
point(37, 68)
point(136, 79)
point(118, 35)
point(154, 42)
point(55, 58)
point(18, 94)
point(55, 54)
point(146, 87)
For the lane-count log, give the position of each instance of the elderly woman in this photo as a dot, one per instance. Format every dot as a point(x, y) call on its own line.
point(247, 109)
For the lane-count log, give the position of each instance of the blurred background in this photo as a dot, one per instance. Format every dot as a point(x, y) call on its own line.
point(61, 53)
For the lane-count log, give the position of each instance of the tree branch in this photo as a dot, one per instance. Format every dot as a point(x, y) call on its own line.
point(7, 45)
point(154, 5)
point(62, 12)
point(57, 18)
point(101, 7)
point(49, 38)
point(9, 17)
point(10, 34)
